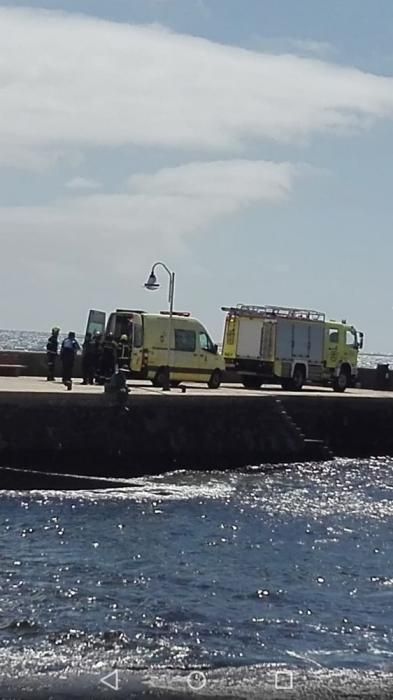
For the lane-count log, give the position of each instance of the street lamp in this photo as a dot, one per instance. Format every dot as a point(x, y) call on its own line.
point(152, 284)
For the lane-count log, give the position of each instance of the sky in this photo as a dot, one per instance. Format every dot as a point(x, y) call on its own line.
point(246, 144)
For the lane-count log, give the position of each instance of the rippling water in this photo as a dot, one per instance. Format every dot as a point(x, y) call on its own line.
point(229, 572)
point(240, 574)
point(26, 340)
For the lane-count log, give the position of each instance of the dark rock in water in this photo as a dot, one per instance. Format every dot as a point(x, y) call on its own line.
point(20, 626)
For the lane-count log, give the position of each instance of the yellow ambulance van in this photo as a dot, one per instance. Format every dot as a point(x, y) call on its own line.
point(157, 341)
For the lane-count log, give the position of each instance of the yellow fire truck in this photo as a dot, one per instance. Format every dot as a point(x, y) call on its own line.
point(273, 344)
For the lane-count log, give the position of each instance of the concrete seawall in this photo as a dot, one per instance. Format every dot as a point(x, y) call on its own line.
point(34, 363)
point(91, 435)
point(85, 432)
point(351, 425)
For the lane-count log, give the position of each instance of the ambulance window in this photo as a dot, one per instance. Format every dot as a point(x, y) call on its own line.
point(123, 327)
point(205, 343)
point(138, 335)
point(111, 327)
point(333, 335)
point(185, 340)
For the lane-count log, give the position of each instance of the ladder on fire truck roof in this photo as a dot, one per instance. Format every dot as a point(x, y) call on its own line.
point(275, 312)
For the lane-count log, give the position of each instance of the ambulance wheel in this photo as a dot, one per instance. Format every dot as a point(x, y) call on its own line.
point(215, 379)
point(251, 382)
point(160, 378)
point(341, 382)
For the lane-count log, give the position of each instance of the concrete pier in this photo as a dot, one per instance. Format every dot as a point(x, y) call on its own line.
point(86, 432)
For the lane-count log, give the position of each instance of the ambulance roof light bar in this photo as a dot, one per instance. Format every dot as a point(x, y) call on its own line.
point(176, 313)
point(130, 311)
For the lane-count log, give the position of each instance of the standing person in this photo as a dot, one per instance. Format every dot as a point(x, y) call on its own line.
point(69, 348)
point(88, 359)
point(123, 352)
point(51, 353)
point(108, 357)
point(97, 342)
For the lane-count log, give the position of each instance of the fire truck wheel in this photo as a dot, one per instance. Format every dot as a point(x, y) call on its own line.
point(251, 382)
point(215, 379)
point(286, 384)
point(297, 380)
point(341, 382)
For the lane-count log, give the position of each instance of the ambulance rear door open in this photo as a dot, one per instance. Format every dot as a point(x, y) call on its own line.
point(96, 322)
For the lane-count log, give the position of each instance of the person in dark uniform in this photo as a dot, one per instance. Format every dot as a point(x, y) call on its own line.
point(123, 352)
point(108, 357)
point(88, 359)
point(52, 347)
point(117, 386)
point(69, 348)
point(97, 343)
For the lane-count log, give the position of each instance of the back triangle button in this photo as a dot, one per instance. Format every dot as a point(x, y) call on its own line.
point(111, 680)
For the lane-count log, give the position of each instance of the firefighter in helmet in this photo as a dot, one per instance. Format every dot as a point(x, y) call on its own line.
point(123, 352)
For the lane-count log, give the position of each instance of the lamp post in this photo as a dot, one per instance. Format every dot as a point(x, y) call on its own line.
point(153, 284)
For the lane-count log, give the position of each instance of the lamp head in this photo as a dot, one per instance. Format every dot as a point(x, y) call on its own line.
point(152, 282)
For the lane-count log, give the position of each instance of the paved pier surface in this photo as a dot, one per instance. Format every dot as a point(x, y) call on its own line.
point(40, 385)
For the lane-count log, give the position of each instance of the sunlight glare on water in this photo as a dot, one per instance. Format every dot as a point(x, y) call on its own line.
point(215, 570)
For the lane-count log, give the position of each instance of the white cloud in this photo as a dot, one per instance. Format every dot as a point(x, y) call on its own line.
point(161, 211)
point(72, 81)
point(319, 48)
point(285, 44)
point(82, 183)
point(235, 182)
point(21, 156)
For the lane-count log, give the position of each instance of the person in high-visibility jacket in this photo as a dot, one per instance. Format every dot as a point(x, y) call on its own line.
point(123, 352)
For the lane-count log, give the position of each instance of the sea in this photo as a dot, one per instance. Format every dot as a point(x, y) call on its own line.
point(263, 582)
